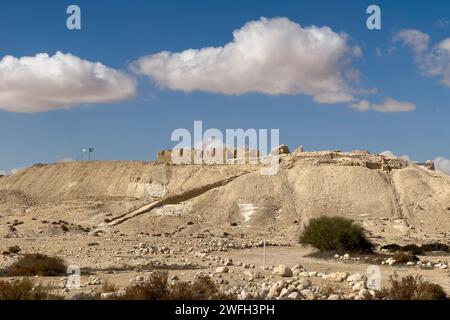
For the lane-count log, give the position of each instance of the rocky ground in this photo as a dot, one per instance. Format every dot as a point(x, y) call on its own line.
point(234, 264)
point(119, 221)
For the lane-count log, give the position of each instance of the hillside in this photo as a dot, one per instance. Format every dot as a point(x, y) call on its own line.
point(393, 199)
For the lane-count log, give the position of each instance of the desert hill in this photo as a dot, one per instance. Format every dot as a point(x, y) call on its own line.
point(395, 200)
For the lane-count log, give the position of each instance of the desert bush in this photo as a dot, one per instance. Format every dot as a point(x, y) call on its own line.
point(157, 287)
point(402, 257)
point(436, 246)
point(36, 265)
point(335, 234)
point(417, 250)
point(24, 290)
point(412, 288)
point(14, 249)
point(202, 288)
point(412, 249)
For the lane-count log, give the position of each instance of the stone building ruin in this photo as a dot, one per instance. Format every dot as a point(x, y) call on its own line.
point(217, 155)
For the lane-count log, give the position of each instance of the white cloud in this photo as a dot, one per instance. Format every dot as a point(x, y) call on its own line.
point(389, 105)
point(415, 39)
point(43, 83)
point(433, 61)
point(442, 165)
point(389, 153)
point(12, 171)
point(442, 23)
point(16, 170)
point(270, 56)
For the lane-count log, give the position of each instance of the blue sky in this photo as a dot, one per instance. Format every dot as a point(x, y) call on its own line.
point(117, 33)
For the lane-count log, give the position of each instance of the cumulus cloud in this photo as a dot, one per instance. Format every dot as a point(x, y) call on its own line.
point(12, 171)
point(271, 56)
point(432, 60)
point(389, 153)
point(43, 83)
point(389, 105)
point(442, 165)
point(16, 170)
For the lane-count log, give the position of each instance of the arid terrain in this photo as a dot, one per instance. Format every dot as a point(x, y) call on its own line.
point(118, 221)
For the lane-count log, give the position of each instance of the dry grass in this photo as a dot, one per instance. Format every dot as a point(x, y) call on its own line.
point(157, 287)
point(24, 290)
point(412, 288)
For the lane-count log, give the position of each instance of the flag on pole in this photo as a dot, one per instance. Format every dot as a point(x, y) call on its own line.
point(91, 150)
point(83, 150)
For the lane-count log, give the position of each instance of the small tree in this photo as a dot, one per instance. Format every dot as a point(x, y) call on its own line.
point(335, 234)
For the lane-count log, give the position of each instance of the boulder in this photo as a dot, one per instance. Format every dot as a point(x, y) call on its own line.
point(294, 296)
point(222, 270)
point(355, 277)
point(283, 271)
point(108, 295)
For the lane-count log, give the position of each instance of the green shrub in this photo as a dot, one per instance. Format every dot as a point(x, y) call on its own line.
point(36, 265)
point(335, 234)
point(24, 290)
point(412, 288)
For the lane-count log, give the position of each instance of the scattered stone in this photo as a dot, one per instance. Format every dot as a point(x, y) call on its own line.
point(108, 295)
point(229, 263)
point(294, 296)
point(283, 271)
point(222, 270)
point(306, 292)
point(355, 277)
point(297, 267)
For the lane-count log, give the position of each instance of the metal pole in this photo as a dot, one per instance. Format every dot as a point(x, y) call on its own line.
point(264, 254)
